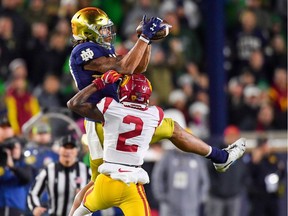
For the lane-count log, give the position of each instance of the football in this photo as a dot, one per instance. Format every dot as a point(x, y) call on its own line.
point(160, 34)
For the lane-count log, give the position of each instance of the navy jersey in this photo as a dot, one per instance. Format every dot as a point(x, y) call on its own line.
point(83, 53)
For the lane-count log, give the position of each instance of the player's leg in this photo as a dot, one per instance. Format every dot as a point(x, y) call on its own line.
point(79, 197)
point(135, 201)
point(222, 158)
point(235, 151)
point(105, 193)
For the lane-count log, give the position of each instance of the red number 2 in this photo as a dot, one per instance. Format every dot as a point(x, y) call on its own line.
point(121, 146)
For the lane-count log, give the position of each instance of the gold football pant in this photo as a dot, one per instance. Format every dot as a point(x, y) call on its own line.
point(108, 192)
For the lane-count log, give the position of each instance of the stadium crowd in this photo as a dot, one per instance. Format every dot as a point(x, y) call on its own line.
point(35, 45)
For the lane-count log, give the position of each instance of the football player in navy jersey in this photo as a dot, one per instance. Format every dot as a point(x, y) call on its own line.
point(93, 54)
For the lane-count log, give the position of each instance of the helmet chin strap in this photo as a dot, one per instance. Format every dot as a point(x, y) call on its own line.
point(134, 105)
point(123, 98)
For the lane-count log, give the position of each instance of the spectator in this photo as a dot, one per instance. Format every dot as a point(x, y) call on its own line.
point(39, 151)
point(235, 101)
point(6, 131)
point(252, 102)
point(48, 94)
point(62, 179)
point(21, 104)
point(258, 68)
point(178, 100)
point(265, 118)
point(278, 97)
point(263, 16)
point(37, 48)
point(167, 187)
point(36, 12)
point(134, 15)
point(186, 83)
point(227, 188)
point(177, 179)
point(57, 53)
point(247, 39)
point(187, 11)
point(199, 120)
point(247, 77)
point(278, 57)
point(20, 28)
point(15, 177)
point(266, 172)
point(8, 45)
point(158, 70)
point(181, 45)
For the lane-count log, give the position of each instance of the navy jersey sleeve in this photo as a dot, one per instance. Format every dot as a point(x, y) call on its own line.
point(86, 52)
point(82, 54)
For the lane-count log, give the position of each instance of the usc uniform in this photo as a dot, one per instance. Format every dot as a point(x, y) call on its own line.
point(128, 132)
point(163, 131)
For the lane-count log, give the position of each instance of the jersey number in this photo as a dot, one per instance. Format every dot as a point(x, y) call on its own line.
point(121, 146)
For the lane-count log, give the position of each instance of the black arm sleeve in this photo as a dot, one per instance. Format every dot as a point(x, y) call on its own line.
point(23, 173)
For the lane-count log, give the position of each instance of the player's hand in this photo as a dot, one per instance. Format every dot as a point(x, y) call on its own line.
point(150, 27)
point(109, 77)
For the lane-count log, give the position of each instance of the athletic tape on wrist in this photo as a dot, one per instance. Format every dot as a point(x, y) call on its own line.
point(144, 39)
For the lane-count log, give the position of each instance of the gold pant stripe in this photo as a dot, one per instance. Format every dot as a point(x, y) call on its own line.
point(142, 194)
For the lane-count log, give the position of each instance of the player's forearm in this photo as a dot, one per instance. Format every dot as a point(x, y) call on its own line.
point(123, 65)
point(142, 67)
point(78, 103)
point(132, 59)
point(187, 142)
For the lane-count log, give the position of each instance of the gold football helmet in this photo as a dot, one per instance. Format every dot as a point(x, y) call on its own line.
point(93, 24)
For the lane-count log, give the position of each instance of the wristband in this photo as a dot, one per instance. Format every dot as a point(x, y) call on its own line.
point(99, 83)
point(144, 39)
point(150, 42)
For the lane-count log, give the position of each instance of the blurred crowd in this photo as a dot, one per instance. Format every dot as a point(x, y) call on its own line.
point(35, 45)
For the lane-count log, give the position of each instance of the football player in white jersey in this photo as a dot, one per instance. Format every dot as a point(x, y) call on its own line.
point(128, 130)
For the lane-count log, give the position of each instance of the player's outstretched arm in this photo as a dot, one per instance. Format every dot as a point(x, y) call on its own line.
point(187, 142)
point(137, 58)
point(142, 66)
point(123, 64)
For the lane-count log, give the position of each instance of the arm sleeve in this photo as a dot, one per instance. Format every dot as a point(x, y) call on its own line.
point(33, 198)
point(23, 173)
point(164, 131)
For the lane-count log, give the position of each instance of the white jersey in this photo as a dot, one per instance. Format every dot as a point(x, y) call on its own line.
point(127, 131)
